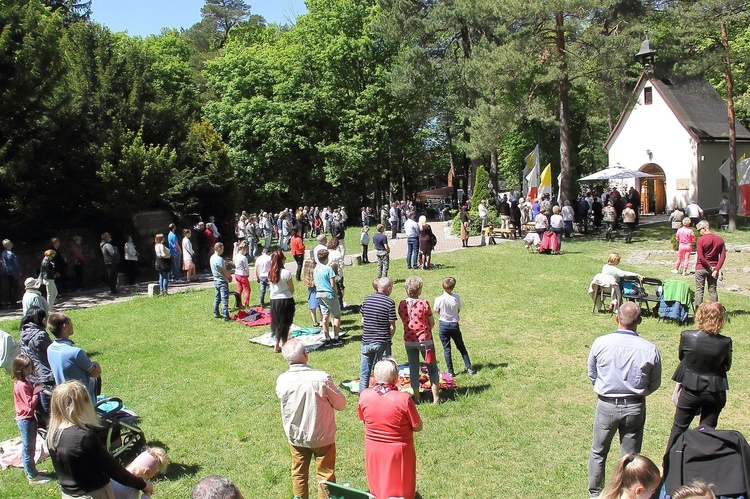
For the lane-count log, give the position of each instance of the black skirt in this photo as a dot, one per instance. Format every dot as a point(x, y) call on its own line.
point(282, 316)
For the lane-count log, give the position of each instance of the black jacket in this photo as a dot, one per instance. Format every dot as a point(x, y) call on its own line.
point(704, 361)
point(721, 457)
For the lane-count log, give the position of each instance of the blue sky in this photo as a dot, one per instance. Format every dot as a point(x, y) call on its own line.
point(148, 17)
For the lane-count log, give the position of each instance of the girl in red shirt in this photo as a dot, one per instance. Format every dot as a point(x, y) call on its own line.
point(25, 398)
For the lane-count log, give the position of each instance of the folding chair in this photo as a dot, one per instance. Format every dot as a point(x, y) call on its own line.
point(335, 491)
point(649, 298)
point(631, 289)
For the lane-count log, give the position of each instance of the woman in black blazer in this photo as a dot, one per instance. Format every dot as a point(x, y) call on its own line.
point(705, 358)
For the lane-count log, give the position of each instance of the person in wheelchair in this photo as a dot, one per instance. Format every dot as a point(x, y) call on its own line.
point(83, 465)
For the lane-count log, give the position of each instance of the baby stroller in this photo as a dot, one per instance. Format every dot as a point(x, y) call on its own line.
point(120, 433)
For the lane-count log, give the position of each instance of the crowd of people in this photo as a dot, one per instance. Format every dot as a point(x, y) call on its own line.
point(623, 367)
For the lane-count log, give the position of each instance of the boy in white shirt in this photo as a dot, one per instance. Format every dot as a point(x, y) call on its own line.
point(448, 306)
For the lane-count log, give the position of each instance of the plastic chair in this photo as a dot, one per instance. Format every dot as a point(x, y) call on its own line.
point(336, 491)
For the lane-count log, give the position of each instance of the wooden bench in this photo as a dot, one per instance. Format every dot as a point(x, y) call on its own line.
point(505, 233)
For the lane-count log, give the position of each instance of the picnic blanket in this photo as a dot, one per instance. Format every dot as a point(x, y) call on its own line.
point(256, 316)
point(404, 384)
point(11, 452)
point(312, 337)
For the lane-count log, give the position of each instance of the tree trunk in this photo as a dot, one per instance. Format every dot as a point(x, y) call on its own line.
point(493, 172)
point(451, 154)
point(732, 129)
point(566, 188)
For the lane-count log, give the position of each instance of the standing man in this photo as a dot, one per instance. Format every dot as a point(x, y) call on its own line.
point(66, 360)
point(378, 327)
point(694, 212)
point(482, 209)
point(11, 270)
point(175, 250)
point(262, 268)
point(222, 278)
point(382, 250)
point(624, 369)
point(322, 241)
point(111, 260)
point(711, 255)
point(411, 229)
point(393, 218)
point(308, 400)
point(338, 231)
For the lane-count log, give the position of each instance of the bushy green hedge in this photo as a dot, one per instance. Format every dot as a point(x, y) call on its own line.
point(493, 218)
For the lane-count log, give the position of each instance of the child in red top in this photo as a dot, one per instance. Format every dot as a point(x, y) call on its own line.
point(416, 315)
point(25, 398)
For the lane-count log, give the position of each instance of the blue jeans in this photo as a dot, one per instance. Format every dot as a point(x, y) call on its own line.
point(371, 354)
point(163, 280)
point(263, 289)
point(28, 442)
point(412, 251)
point(412, 353)
point(176, 262)
point(222, 294)
point(627, 419)
point(452, 331)
point(252, 247)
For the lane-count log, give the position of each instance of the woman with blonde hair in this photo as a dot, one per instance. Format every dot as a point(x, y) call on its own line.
point(390, 418)
point(685, 238)
point(695, 490)
point(705, 357)
point(418, 321)
point(611, 268)
point(635, 477)
point(83, 466)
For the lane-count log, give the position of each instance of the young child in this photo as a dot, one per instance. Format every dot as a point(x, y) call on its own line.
point(146, 465)
point(308, 266)
point(635, 476)
point(25, 398)
point(448, 306)
point(364, 240)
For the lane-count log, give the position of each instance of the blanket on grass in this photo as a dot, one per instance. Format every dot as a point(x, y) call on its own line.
point(312, 337)
point(11, 452)
point(404, 383)
point(256, 316)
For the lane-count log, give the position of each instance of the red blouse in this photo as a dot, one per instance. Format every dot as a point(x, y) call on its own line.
point(415, 314)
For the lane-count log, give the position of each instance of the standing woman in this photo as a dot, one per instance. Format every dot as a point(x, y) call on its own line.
point(426, 245)
point(242, 273)
point(162, 264)
point(465, 224)
point(705, 358)
point(82, 464)
point(48, 275)
point(390, 418)
point(282, 299)
point(188, 255)
point(685, 238)
point(131, 259)
point(298, 250)
point(76, 253)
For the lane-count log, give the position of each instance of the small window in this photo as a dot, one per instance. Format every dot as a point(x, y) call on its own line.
point(648, 97)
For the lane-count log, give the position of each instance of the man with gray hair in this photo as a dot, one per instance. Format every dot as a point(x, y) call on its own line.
point(378, 327)
point(308, 399)
point(216, 487)
point(624, 368)
point(322, 241)
point(711, 256)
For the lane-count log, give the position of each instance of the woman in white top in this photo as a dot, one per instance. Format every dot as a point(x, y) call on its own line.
point(336, 261)
point(282, 299)
point(131, 260)
point(541, 224)
point(557, 224)
point(612, 269)
point(241, 273)
point(188, 255)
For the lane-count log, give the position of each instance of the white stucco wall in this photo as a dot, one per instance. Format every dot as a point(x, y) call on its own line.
point(656, 129)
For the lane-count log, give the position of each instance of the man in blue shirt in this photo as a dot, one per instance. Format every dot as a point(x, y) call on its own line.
point(624, 368)
point(67, 361)
point(175, 250)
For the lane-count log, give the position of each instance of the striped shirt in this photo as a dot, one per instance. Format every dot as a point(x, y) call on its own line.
point(378, 311)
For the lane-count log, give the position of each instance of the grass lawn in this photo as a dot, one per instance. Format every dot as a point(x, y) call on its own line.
point(520, 428)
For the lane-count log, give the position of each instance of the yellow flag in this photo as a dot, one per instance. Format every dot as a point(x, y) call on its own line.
point(545, 179)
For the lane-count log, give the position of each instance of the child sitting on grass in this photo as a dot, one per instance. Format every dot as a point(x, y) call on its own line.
point(146, 465)
point(448, 306)
point(25, 398)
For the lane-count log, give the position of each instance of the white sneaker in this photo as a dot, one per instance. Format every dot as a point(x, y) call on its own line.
point(675, 271)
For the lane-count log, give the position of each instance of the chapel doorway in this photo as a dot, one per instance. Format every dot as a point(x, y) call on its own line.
point(653, 190)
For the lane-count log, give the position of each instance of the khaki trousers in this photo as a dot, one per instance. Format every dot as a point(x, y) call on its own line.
point(325, 460)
